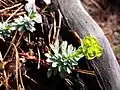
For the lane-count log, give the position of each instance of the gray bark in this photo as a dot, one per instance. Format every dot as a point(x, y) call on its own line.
point(83, 24)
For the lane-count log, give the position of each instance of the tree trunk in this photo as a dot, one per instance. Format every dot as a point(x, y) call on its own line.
point(83, 24)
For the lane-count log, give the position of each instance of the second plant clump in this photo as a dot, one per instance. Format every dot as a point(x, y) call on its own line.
point(65, 57)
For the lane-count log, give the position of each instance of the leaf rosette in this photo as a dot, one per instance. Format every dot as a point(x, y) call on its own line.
point(65, 57)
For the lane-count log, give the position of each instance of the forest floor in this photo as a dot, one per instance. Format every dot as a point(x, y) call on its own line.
point(107, 14)
point(25, 58)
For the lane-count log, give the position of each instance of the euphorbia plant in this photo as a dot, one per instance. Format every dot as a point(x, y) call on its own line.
point(65, 57)
point(5, 29)
point(23, 23)
point(91, 47)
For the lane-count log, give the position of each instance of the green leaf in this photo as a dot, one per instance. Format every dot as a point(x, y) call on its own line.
point(59, 68)
point(47, 55)
point(68, 70)
point(54, 64)
point(56, 45)
point(48, 60)
point(73, 62)
point(64, 48)
point(49, 73)
point(70, 49)
point(32, 15)
point(38, 18)
point(54, 49)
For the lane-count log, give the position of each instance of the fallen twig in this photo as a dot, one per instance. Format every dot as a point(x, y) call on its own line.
point(38, 58)
point(17, 64)
point(16, 5)
point(60, 20)
point(14, 13)
point(9, 14)
point(54, 24)
point(10, 45)
point(3, 2)
point(85, 71)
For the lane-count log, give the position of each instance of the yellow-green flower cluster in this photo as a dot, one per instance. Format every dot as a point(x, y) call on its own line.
point(91, 48)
